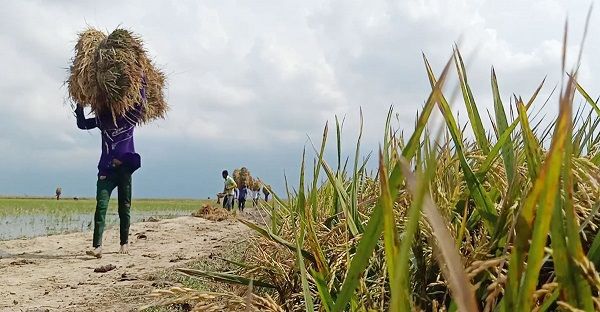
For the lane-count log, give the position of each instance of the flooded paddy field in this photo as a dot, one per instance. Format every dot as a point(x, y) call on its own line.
point(32, 217)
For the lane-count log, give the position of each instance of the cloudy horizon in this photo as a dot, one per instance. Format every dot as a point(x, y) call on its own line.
point(250, 82)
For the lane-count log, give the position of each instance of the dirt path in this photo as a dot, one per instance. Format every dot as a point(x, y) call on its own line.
point(52, 273)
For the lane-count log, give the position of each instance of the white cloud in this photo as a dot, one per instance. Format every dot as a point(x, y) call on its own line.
point(250, 79)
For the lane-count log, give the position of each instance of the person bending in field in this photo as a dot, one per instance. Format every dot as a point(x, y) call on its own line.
point(118, 161)
point(242, 194)
point(228, 190)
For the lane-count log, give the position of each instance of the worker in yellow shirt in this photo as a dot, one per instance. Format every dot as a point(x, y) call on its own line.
point(228, 190)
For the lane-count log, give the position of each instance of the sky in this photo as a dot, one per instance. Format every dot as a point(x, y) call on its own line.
point(249, 82)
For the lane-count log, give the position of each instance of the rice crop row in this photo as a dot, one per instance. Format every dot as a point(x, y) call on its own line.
point(503, 220)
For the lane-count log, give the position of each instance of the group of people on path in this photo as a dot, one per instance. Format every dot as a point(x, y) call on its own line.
point(232, 192)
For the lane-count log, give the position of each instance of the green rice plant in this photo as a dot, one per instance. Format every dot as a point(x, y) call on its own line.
point(504, 221)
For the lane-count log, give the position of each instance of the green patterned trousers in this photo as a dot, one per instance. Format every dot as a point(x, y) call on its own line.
point(121, 180)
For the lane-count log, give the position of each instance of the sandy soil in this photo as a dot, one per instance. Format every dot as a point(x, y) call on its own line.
point(53, 273)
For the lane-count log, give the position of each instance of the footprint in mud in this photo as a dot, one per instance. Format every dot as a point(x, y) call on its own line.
point(178, 257)
point(127, 277)
point(22, 262)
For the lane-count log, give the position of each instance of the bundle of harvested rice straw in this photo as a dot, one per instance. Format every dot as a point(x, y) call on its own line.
point(111, 72)
point(242, 177)
point(255, 185)
point(266, 190)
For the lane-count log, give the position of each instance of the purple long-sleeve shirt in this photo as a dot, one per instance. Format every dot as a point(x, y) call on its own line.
point(117, 139)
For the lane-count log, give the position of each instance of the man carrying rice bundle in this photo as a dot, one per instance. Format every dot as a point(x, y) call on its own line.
point(118, 161)
point(242, 194)
point(266, 192)
point(229, 190)
point(112, 75)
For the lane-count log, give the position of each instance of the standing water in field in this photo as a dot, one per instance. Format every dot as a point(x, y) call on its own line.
point(26, 218)
point(27, 226)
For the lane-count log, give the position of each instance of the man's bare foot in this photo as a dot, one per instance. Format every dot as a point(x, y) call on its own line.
point(124, 249)
point(96, 252)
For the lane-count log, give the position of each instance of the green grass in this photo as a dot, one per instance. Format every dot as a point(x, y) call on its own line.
point(47, 206)
point(30, 217)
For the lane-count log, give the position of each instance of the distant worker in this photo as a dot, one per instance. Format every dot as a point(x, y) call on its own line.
point(265, 190)
point(242, 194)
point(255, 197)
point(58, 192)
point(228, 190)
point(236, 191)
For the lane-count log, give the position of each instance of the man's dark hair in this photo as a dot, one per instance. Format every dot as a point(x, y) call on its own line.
point(225, 173)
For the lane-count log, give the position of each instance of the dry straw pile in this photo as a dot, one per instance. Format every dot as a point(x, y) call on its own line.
point(212, 213)
point(111, 72)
